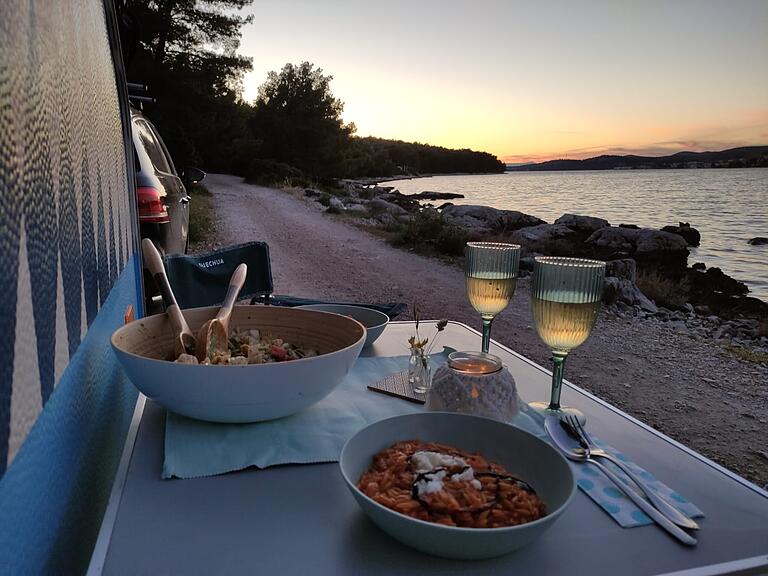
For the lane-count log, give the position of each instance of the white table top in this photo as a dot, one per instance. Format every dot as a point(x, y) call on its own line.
point(302, 520)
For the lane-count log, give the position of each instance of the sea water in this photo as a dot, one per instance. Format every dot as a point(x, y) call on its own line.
point(728, 206)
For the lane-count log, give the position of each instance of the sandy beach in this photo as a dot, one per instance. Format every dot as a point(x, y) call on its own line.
point(695, 391)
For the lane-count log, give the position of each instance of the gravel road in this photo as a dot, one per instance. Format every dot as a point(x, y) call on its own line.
point(694, 391)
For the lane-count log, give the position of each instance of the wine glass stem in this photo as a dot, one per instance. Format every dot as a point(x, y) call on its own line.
point(486, 334)
point(557, 380)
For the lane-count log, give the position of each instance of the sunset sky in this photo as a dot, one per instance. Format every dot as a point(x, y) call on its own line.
point(532, 80)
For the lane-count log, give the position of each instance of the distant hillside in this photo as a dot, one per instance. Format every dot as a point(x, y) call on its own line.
point(744, 157)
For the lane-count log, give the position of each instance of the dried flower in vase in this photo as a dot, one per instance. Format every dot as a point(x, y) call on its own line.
point(424, 347)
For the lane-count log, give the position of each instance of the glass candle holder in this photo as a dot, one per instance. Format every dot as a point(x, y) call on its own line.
point(474, 383)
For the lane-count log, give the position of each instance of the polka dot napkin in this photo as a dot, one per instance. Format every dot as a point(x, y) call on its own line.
point(596, 485)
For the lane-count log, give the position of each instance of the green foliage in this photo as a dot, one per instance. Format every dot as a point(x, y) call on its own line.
point(425, 227)
point(185, 52)
point(378, 157)
point(747, 355)
point(427, 230)
point(270, 172)
point(199, 189)
point(665, 291)
point(201, 223)
point(298, 121)
point(451, 240)
point(190, 30)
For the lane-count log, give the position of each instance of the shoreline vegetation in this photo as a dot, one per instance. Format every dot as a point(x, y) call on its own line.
point(667, 367)
point(648, 274)
point(679, 371)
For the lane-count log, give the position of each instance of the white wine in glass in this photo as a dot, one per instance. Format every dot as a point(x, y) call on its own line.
point(490, 271)
point(489, 295)
point(564, 325)
point(565, 296)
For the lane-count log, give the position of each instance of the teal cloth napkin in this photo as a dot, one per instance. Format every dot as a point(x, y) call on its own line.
point(194, 448)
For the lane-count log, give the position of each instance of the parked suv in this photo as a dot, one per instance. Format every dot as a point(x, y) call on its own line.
point(162, 195)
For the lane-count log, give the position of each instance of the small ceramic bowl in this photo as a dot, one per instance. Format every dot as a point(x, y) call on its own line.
point(520, 452)
point(373, 320)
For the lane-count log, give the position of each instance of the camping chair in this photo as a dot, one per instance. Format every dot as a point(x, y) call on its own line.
point(202, 280)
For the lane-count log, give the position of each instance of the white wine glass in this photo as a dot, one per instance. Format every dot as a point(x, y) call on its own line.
point(565, 295)
point(490, 271)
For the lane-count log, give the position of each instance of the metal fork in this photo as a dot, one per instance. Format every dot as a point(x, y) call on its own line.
point(661, 504)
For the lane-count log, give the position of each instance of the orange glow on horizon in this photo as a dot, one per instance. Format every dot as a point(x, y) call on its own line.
point(544, 90)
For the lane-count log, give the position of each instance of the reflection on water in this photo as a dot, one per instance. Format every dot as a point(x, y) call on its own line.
point(728, 207)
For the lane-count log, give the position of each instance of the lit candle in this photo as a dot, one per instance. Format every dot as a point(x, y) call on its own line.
point(474, 383)
point(474, 363)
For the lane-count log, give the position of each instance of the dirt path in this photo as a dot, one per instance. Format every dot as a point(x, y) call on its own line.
point(691, 390)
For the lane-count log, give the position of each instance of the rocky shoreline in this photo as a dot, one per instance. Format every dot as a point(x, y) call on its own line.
point(648, 275)
point(663, 367)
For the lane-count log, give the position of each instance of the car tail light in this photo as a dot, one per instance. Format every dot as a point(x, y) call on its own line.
point(151, 207)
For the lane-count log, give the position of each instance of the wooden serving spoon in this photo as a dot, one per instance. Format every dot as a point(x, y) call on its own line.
point(184, 339)
point(214, 334)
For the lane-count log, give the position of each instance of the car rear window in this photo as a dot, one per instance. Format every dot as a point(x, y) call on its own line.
point(152, 146)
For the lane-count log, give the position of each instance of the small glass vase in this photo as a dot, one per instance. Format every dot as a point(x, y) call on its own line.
point(419, 373)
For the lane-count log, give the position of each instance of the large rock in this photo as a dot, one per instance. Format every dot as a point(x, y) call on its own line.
point(622, 290)
point(407, 203)
point(381, 205)
point(614, 239)
point(427, 195)
point(549, 239)
point(582, 223)
point(527, 262)
point(643, 244)
point(722, 294)
point(484, 219)
point(357, 208)
point(623, 268)
point(542, 234)
point(655, 242)
point(718, 281)
point(691, 235)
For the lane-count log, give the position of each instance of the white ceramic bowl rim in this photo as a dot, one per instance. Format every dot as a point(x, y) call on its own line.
point(115, 334)
point(457, 529)
point(347, 306)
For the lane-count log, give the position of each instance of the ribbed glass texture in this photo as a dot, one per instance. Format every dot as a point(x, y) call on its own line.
point(500, 260)
point(490, 271)
point(491, 275)
point(567, 279)
point(565, 296)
